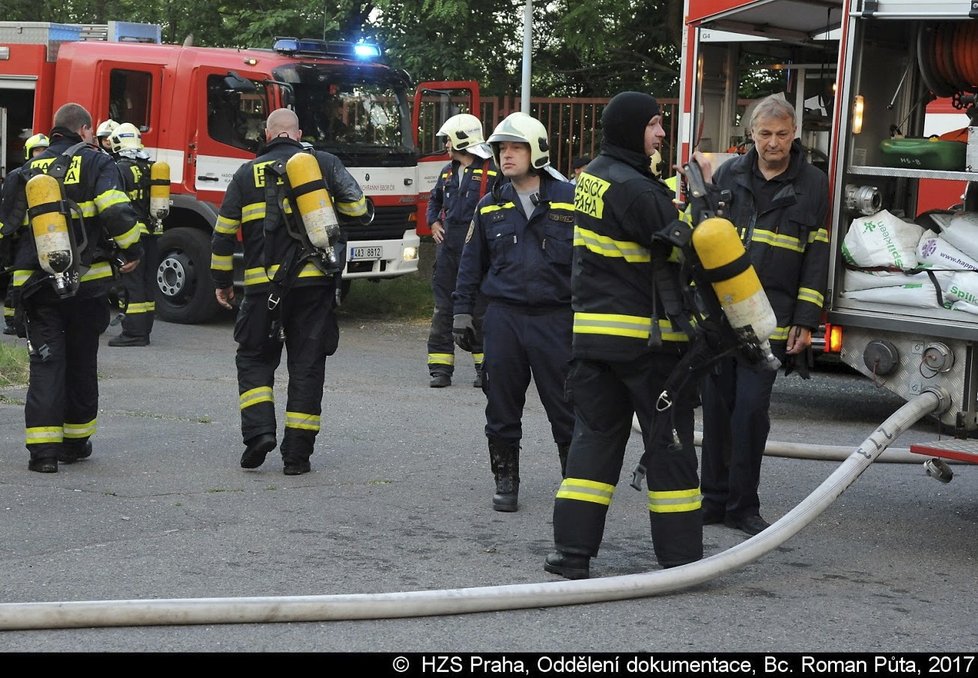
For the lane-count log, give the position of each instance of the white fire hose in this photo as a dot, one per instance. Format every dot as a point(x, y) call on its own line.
point(263, 610)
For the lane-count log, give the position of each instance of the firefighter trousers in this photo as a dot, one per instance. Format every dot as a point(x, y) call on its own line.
point(311, 334)
point(605, 394)
point(140, 285)
point(441, 345)
point(62, 394)
point(736, 422)
point(520, 345)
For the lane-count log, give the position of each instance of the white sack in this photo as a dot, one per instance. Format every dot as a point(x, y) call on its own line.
point(854, 281)
point(935, 252)
point(882, 240)
point(962, 232)
point(915, 295)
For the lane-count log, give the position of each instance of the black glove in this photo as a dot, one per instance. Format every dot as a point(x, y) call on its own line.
point(802, 363)
point(463, 331)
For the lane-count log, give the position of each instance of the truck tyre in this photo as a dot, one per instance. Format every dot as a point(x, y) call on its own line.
point(184, 289)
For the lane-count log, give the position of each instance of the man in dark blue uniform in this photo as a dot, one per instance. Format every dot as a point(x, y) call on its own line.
point(518, 253)
point(461, 184)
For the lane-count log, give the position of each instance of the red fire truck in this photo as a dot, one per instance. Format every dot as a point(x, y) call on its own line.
point(868, 78)
point(202, 110)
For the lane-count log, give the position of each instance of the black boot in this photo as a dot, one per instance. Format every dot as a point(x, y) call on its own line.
point(504, 456)
point(568, 565)
point(562, 451)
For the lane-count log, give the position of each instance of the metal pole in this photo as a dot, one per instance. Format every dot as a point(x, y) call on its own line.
point(527, 50)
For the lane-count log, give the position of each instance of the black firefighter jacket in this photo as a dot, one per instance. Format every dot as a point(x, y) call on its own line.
point(788, 243)
point(244, 209)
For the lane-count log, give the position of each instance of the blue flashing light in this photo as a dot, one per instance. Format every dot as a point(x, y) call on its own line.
point(366, 50)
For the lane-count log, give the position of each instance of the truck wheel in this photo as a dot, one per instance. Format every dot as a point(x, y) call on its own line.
point(185, 291)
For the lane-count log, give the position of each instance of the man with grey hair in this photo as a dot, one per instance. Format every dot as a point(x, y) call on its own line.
point(779, 204)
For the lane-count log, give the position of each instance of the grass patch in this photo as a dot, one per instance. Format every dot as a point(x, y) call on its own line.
point(14, 367)
point(404, 297)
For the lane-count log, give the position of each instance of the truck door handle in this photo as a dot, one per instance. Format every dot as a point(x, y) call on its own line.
point(202, 178)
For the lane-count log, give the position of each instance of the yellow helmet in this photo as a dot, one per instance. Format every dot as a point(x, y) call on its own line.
point(126, 137)
point(105, 128)
point(35, 142)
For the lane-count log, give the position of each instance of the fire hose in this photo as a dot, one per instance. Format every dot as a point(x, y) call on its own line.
point(263, 610)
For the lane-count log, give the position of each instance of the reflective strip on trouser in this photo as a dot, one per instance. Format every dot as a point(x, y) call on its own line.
point(605, 395)
point(736, 421)
point(311, 334)
point(518, 344)
point(62, 395)
point(141, 286)
point(441, 344)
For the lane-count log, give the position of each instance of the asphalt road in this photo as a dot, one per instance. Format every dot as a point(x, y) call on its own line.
point(399, 501)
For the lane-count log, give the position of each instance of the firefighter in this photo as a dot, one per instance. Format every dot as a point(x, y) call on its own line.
point(289, 289)
point(126, 147)
point(460, 186)
point(779, 202)
point(33, 147)
point(518, 252)
point(61, 279)
point(103, 133)
point(631, 321)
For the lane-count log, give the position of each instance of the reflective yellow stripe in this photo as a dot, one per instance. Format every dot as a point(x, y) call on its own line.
point(8, 312)
point(631, 252)
point(780, 334)
point(226, 226)
point(787, 242)
point(85, 430)
point(39, 435)
point(353, 209)
point(222, 262)
point(310, 271)
point(495, 208)
point(675, 501)
point(811, 296)
point(140, 307)
point(20, 276)
point(262, 394)
point(255, 276)
point(301, 420)
point(99, 270)
point(128, 238)
point(586, 490)
point(441, 358)
point(255, 210)
point(821, 235)
point(632, 326)
point(562, 206)
point(477, 358)
point(87, 208)
point(110, 198)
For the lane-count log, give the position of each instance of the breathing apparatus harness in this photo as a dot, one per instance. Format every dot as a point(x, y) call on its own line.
point(282, 209)
point(711, 334)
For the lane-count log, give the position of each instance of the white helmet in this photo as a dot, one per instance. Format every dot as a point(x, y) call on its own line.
point(523, 128)
point(126, 137)
point(105, 129)
point(465, 132)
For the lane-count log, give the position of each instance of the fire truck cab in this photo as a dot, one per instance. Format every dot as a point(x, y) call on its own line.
point(202, 110)
point(868, 78)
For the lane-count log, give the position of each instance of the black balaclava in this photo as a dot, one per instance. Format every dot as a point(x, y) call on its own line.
point(625, 118)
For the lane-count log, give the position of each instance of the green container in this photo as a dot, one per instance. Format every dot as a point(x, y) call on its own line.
point(931, 154)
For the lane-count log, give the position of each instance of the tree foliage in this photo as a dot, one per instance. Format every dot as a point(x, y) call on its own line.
point(593, 48)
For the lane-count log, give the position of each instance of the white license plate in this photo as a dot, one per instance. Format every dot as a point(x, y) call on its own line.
point(366, 253)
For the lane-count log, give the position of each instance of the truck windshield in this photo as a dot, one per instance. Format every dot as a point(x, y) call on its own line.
point(359, 114)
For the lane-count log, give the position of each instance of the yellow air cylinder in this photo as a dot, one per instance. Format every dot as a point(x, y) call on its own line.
point(50, 228)
point(159, 189)
point(313, 201)
point(740, 295)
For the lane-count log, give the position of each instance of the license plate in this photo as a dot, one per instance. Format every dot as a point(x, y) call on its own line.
point(362, 253)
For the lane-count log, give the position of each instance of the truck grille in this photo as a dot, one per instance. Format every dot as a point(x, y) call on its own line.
point(389, 224)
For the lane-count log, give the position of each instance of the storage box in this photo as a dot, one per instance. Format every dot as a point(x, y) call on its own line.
point(931, 154)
